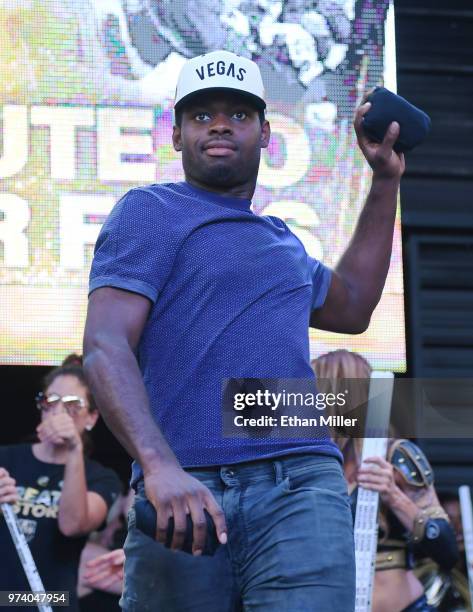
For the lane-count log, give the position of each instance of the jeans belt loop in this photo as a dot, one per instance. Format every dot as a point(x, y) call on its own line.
point(278, 471)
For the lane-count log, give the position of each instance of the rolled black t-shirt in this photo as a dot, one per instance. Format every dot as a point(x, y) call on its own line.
point(39, 485)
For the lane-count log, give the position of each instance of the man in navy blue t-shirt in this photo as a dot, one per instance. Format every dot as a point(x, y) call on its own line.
point(188, 288)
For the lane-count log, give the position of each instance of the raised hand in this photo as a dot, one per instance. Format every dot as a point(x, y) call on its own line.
point(59, 429)
point(382, 158)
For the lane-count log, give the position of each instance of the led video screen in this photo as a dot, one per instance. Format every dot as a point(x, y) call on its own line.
point(86, 114)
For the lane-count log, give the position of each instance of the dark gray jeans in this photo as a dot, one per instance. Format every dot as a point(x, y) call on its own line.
point(290, 545)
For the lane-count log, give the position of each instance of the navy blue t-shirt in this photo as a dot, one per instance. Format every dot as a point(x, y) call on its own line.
point(232, 294)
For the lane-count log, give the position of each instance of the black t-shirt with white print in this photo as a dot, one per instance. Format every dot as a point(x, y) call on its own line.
point(39, 485)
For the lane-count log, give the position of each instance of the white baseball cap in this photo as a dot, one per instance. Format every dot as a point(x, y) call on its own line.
point(220, 70)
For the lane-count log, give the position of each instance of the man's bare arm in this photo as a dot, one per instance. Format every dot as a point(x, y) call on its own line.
point(359, 277)
point(115, 322)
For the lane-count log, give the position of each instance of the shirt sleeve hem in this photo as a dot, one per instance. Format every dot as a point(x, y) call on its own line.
point(136, 286)
point(323, 284)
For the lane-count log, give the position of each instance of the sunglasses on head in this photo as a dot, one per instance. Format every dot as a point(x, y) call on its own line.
point(72, 403)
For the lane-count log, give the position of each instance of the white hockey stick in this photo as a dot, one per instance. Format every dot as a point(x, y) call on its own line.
point(464, 494)
point(366, 517)
point(24, 553)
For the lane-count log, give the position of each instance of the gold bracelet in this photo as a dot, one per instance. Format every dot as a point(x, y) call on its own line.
point(419, 526)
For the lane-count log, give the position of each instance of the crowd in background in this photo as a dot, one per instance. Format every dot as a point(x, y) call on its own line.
point(73, 511)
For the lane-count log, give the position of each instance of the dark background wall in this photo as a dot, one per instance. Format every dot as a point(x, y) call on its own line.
point(435, 72)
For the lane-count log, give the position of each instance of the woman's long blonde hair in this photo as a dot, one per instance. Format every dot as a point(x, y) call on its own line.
point(341, 364)
point(355, 371)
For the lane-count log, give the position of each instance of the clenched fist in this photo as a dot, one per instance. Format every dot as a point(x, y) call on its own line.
point(59, 429)
point(377, 474)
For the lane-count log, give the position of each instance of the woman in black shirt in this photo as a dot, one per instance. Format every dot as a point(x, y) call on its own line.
point(59, 496)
